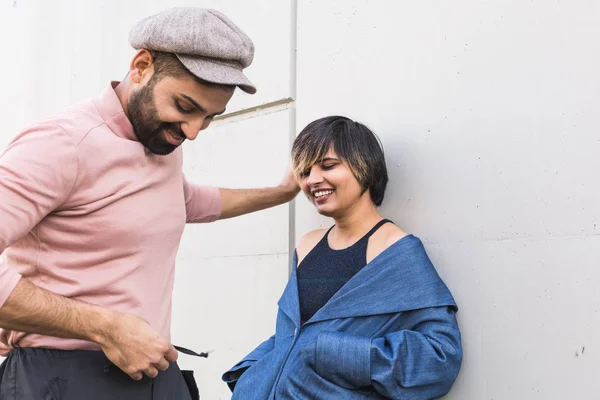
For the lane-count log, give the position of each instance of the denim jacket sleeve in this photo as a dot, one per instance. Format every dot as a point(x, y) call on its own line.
point(232, 376)
point(420, 363)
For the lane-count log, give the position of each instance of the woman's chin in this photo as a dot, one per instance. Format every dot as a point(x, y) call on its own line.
point(325, 210)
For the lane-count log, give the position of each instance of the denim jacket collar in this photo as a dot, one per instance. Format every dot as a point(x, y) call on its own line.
point(392, 282)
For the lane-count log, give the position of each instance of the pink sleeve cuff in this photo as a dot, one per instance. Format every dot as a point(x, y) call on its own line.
point(202, 203)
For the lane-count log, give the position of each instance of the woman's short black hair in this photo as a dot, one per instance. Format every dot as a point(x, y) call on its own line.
point(353, 142)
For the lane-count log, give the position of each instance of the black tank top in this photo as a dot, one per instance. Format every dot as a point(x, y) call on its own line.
point(324, 271)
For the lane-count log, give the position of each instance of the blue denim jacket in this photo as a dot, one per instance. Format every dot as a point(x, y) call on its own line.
point(389, 332)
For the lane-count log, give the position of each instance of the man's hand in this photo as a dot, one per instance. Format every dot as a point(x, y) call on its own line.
point(133, 346)
point(128, 341)
point(235, 202)
point(289, 184)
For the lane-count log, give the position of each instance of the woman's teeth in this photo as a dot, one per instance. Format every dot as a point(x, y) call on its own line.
point(323, 193)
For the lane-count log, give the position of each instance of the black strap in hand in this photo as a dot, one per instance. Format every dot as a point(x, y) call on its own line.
point(190, 352)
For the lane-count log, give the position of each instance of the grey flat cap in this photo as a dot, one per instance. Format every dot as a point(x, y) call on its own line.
point(206, 41)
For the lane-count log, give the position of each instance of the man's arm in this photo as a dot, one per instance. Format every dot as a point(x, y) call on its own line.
point(37, 173)
point(32, 309)
point(128, 341)
point(236, 202)
point(207, 204)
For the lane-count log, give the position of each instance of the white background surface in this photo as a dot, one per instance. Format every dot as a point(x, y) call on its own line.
point(488, 114)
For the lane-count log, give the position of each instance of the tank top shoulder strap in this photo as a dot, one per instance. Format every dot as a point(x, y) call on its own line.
point(327, 233)
point(321, 246)
point(375, 228)
point(323, 241)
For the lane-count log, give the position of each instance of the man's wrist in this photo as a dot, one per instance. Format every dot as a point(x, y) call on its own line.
point(102, 323)
point(288, 193)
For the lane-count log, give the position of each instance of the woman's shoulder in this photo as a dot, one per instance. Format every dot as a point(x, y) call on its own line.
point(392, 233)
point(383, 238)
point(308, 242)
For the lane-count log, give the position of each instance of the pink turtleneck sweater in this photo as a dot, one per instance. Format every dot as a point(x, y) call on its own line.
point(87, 213)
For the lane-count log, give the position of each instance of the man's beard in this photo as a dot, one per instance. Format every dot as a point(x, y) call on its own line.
point(148, 128)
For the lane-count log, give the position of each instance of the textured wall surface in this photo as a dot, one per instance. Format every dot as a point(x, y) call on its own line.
point(488, 115)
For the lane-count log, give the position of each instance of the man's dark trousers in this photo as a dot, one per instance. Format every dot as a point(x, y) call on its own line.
point(43, 374)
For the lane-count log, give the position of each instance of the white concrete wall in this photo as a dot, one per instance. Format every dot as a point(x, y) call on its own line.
point(487, 111)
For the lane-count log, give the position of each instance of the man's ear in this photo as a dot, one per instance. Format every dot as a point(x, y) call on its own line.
point(141, 68)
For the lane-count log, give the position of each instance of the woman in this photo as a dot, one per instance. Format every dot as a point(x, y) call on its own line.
point(364, 314)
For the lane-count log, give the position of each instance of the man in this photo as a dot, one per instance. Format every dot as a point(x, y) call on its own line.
point(92, 208)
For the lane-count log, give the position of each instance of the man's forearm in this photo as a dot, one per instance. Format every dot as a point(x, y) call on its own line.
point(235, 202)
point(32, 309)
